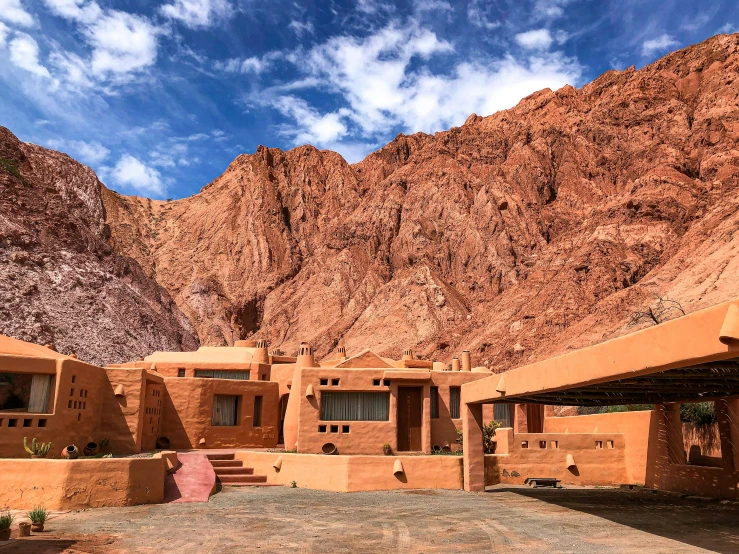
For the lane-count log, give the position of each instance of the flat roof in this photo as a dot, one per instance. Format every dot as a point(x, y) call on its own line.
point(693, 357)
point(14, 347)
point(206, 354)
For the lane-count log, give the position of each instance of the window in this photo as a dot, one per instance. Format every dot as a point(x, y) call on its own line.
point(222, 374)
point(225, 410)
point(355, 406)
point(24, 392)
point(180, 372)
point(257, 421)
point(504, 414)
point(454, 395)
point(434, 402)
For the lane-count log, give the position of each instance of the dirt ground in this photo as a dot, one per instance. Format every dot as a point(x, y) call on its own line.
point(504, 519)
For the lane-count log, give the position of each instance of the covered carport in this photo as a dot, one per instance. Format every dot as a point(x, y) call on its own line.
point(692, 358)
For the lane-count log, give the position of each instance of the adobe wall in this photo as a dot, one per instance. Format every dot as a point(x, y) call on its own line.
point(546, 456)
point(122, 421)
point(77, 406)
point(634, 426)
point(78, 484)
point(668, 469)
point(356, 473)
point(188, 406)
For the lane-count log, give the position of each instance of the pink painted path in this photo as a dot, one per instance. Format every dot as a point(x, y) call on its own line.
point(194, 480)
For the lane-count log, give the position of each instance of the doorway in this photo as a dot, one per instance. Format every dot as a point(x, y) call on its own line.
point(410, 410)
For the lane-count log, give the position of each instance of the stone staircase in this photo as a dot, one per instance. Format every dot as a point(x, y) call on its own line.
point(232, 473)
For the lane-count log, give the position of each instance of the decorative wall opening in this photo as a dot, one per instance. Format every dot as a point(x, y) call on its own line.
point(701, 439)
point(257, 420)
point(180, 372)
point(225, 410)
point(25, 392)
point(355, 406)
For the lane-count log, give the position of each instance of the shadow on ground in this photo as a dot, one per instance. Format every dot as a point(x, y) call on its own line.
point(704, 524)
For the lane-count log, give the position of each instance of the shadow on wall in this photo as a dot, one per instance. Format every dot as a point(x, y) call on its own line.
point(710, 526)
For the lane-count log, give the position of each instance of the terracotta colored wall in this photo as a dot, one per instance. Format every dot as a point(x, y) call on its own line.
point(604, 466)
point(74, 419)
point(667, 468)
point(77, 484)
point(257, 371)
point(634, 426)
point(122, 422)
point(368, 437)
point(188, 406)
point(357, 473)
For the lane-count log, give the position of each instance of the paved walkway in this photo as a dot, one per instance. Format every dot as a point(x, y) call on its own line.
point(194, 480)
point(505, 520)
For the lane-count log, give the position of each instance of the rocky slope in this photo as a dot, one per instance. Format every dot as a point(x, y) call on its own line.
point(60, 282)
point(519, 235)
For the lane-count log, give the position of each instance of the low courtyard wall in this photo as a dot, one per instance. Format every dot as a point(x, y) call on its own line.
point(77, 484)
point(356, 473)
point(599, 458)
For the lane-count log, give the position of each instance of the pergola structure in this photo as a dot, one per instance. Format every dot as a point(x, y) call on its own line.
point(692, 358)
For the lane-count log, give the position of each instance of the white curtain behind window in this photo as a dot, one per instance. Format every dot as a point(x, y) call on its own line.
point(40, 387)
point(225, 409)
point(355, 406)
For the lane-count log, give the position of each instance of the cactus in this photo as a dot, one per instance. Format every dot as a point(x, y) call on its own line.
point(37, 449)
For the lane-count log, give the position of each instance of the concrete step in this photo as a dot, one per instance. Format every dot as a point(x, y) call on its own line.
point(242, 479)
point(226, 463)
point(220, 456)
point(234, 470)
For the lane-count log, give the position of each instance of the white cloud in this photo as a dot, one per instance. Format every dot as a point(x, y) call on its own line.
point(727, 29)
point(89, 152)
point(385, 83)
point(433, 6)
point(550, 9)
point(122, 43)
point(659, 44)
point(539, 39)
point(78, 10)
point(477, 15)
point(24, 53)
point(252, 64)
point(301, 28)
point(198, 13)
point(11, 11)
point(131, 174)
point(3, 33)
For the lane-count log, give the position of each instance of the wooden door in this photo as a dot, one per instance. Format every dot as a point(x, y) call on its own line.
point(535, 418)
point(410, 410)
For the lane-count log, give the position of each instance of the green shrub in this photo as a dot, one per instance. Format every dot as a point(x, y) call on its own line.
point(698, 413)
point(626, 408)
point(38, 515)
point(293, 485)
point(488, 434)
point(6, 520)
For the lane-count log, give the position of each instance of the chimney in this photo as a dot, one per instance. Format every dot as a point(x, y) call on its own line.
point(407, 354)
point(261, 355)
point(305, 356)
point(466, 361)
point(341, 351)
point(455, 364)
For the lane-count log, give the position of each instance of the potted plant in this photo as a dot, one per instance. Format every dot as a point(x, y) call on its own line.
point(5, 521)
point(24, 529)
point(38, 517)
point(386, 449)
point(37, 450)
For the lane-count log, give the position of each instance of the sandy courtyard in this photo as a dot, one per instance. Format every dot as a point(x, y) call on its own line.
point(502, 520)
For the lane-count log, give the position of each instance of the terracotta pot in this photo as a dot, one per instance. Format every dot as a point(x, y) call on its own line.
point(24, 529)
point(4, 534)
point(37, 527)
point(329, 448)
point(91, 449)
point(163, 443)
point(387, 450)
point(70, 452)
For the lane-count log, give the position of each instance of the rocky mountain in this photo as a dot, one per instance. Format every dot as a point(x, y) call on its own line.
point(518, 235)
point(60, 282)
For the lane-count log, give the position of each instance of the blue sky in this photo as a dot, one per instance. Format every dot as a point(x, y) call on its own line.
point(159, 96)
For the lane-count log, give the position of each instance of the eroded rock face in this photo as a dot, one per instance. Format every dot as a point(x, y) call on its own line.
point(518, 235)
point(60, 282)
